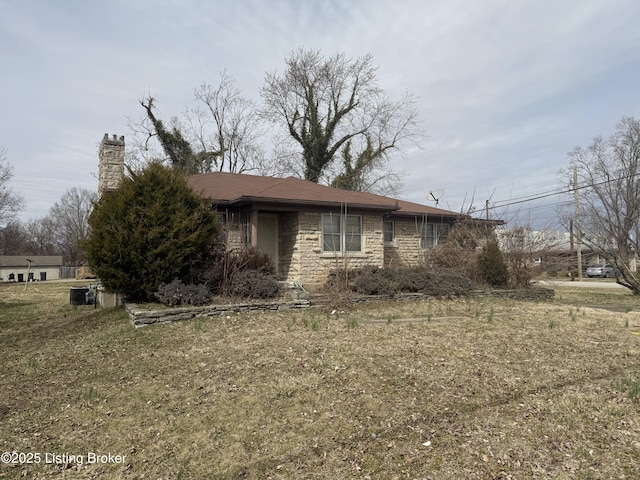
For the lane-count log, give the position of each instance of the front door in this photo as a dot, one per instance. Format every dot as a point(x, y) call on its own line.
point(268, 236)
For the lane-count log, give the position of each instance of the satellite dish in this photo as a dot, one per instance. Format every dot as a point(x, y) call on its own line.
point(435, 195)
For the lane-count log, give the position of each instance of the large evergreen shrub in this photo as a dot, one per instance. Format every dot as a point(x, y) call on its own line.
point(492, 266)
point(151, 230)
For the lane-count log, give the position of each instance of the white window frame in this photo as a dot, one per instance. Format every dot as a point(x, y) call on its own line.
point(392, 231)
point(440, 233)
point(341, 234)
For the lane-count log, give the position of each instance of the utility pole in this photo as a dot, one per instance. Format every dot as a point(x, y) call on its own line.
point(578, 234)
point(28, 274)
point(570, 245)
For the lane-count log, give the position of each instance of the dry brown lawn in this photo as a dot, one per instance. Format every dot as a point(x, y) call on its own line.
point(442, 389)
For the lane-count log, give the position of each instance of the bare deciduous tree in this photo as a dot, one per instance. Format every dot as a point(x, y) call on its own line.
point(608, 172)
point(228, 126)
point(34, 237)
point(14, 239)
point(221, 133)
point(41, 236)
point(329, 104)
point(10, 202)
point(69, 219)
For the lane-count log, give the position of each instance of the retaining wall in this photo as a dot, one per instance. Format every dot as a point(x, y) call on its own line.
point(141, 317)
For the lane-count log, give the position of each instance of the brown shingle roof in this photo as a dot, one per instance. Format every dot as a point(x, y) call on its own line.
point(237, 189)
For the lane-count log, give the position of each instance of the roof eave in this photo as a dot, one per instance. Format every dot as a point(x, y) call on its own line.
point(247, 199)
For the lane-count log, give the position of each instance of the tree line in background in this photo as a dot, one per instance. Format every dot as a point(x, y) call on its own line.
point(60, 232)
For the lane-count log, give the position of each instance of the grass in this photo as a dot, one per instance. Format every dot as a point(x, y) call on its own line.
point(500, 389)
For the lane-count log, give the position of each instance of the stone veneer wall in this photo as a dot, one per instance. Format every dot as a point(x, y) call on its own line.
point(110, 163)
point(406, 249)
point(300, 255)
point(310, 265)
point(288, 268)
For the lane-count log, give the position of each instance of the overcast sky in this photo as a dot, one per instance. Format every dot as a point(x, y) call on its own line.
point(506, 88)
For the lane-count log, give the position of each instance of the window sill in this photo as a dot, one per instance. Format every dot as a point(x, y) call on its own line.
point(343, 255)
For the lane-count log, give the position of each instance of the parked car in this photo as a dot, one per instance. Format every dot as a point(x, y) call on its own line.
point(603, 270)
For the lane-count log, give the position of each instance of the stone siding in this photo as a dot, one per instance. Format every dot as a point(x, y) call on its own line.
point(287, 238)
point(300, 255)
point(310, 265)
point(406, 249)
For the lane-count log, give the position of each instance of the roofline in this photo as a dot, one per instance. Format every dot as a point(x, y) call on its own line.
point(408, 213)
point(390, 209)
point(246, 199)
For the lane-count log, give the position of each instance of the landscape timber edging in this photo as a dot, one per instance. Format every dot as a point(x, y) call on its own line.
point(141, 317)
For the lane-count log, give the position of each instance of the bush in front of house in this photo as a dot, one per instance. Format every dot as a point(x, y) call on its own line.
point(458, 253)
point(446, 283)
point(151, 230)
point(374, 281)
point(492, 266)
point(253, 284)
point(381, 281)
point(368, 280)
point(227, 264)
point(177, 293)
point(433, 282)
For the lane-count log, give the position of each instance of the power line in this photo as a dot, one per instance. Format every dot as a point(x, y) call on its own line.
point(546, 194)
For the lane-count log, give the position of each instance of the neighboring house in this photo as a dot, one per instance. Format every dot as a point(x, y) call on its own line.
point(552, 251)
point(308, 229)
point(30, 267)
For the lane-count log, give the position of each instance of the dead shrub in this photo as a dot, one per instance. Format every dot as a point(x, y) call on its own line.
point(177, 293)
point(447, 282)
point(438, 283)
point(253, 284)
point(374, 281)
point(337, 291)
point(229, 263)
point(459, 252)
point(379, 281)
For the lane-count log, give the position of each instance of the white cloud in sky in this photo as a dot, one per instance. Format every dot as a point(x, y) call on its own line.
point(505, 88)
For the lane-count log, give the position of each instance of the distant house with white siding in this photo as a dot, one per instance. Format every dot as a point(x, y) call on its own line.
point(20, 268)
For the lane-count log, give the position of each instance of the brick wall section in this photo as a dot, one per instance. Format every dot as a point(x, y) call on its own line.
point(406, 250)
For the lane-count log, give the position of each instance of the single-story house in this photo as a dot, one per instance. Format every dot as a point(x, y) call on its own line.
point(308, 229)
point(19, 268)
